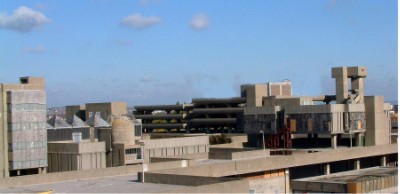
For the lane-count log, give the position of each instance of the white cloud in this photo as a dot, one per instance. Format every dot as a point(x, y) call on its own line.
point(138, 21)
point(37, 49)
point(23, 19)
point(199, 22)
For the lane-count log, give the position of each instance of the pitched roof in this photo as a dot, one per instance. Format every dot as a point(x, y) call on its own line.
point(76, 122)
point(97, 121)
point(58, 123)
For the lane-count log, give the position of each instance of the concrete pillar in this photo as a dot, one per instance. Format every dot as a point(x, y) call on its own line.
point(287, 181)
point(334, 141)
point(383, 161)
point(377, 124)
point(91, 134)
point(356, 164)
point(327, 169)
point(340, 75)
point(358, 139)
point(357, 84)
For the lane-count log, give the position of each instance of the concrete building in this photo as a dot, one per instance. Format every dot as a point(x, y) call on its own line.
point(370, 180)
point(354, 115)
point(210, 115)
point(104, 110)
point(71, 156)
point(61, 130)
point(186, 163)
point(72, 145)
point(23, 127)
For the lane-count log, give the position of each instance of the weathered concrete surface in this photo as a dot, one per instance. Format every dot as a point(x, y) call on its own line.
point(235, 153)
point(237, 186)
point(85, 174)
point(358, 181)
point(112, 184)
point(268, 185)
point(283, 162)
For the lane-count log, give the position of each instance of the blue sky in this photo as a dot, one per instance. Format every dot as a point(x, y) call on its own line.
point(164, 51)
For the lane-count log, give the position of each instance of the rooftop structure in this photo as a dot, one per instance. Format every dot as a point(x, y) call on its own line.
point(23, 127)
point(208, 115)
point(377, 179)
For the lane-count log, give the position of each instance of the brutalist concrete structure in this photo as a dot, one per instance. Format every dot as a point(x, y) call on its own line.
point(209, 115)
point(23, 148)
point(370, 180)
point(105, 110)
point(70, 156)
point(61, 130)
point(353, 114)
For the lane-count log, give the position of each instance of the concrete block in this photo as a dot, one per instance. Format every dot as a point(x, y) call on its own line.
point(359, 71)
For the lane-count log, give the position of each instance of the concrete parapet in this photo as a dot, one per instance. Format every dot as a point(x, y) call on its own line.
point(358, 181)
point(235, 153)
point(283, 162)
point(84, 174)
point(186, 180)
point(236, 186)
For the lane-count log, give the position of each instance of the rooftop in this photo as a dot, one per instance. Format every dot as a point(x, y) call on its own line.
point(113, 184)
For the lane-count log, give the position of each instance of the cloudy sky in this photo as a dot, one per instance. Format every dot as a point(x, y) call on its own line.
point(164, 51)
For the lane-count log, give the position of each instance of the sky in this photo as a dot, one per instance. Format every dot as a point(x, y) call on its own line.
point(166, 51)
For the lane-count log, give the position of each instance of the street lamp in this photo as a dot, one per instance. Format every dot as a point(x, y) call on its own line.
point(262, 132)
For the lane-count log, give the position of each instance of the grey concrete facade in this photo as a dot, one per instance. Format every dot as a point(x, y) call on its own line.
point(64, 156)
point(23, 106)
point(359, 181)
point(378, 122)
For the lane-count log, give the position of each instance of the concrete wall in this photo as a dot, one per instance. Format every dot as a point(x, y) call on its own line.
point(175, 146)
point(237, 186)
point(115, 108)
point(73, 156)
point(268, 185)
point(197, 156)
point(186, 180)
point(347, 182)
point(235, 153)
point(254, 94)
point(283, 162)
point(378, 124)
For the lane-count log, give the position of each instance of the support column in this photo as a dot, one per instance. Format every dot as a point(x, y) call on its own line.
point(356, 164)
point(327, 169)
point(383, 161)
point(357, 139)
point(358, 84)
point(340, 75)
point(287, 181)
point(334, 141)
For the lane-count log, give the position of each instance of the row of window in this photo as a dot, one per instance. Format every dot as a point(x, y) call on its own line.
point(26, 107)
point(27, 164)
point(26, 145)
point(136, 151)
point(26, 125)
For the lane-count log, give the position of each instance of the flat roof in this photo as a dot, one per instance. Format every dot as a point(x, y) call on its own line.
point(113, 184)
